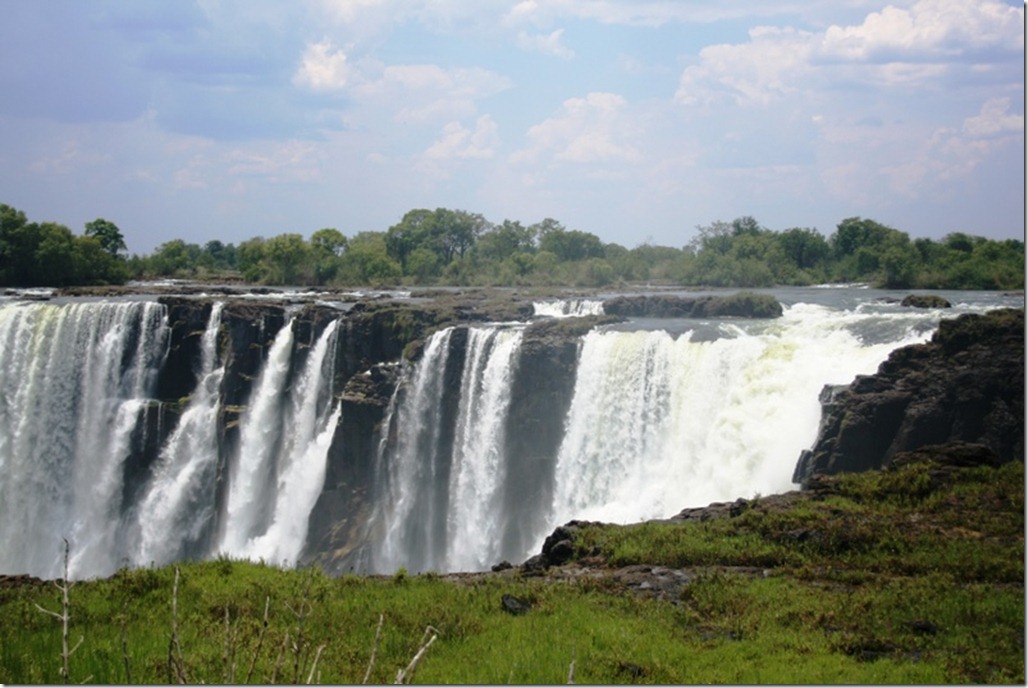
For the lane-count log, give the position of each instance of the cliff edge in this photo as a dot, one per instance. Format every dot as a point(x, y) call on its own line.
point(965, 385)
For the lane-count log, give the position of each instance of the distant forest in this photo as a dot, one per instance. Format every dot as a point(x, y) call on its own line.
point(459, 248)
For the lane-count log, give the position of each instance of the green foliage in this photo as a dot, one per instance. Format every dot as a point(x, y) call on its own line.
point(48, 254)
point(108, 234)
point(456, 247)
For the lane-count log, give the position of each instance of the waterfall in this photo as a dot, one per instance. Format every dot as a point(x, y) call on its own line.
point(568, 308)
point(178, 498)
point(285, 439)
point(251, 476)
point(494, 436)
point(444, 472)
point(74, 381)
point(658, 424)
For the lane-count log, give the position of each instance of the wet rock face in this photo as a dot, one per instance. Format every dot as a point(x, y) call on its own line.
point(966, 385)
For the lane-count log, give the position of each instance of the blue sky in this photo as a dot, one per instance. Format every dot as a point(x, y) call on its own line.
point(636, 120)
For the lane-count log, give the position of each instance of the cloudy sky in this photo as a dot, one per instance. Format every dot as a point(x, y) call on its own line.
point(633, 119)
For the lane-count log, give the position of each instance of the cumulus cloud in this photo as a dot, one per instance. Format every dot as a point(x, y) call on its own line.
point(589, 129)
point(322, 68)
point(428, 92)
point(994, 119)
point(770, 65)
point(548, 44)
point(893, 47)
point(460, 143)
point(930, 28)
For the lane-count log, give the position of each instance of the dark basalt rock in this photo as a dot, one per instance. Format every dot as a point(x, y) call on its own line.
point(925, 301)
point(515, 605)
point(742, 305)
point(965, 385)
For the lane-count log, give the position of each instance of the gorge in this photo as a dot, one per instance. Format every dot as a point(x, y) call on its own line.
point(437, 432)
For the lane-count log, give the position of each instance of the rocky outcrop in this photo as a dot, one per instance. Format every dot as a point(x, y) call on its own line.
point(741, 305)
point(965, 385)
point(925, 301)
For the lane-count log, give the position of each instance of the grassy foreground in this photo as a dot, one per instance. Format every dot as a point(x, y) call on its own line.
point(914, 575)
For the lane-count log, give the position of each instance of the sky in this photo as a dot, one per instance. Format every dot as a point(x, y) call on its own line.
point(636, 120)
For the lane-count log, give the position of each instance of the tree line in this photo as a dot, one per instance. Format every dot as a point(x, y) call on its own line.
point(456, 247)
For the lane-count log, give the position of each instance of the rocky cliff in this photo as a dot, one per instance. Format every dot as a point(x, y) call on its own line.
point(965, 385)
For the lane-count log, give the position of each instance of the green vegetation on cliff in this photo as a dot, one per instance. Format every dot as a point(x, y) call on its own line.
point(911, 575)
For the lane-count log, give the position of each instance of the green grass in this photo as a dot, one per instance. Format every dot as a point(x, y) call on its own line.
point(890, 578)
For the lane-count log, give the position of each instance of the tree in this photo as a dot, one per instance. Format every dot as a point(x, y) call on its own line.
point(108, 234)
point(805, 248)
point(286, 260)
point(367, 261)
point(414, 230)
point(456, 232)
point(571, 245)
point(327, 245)
point(174, 257)
point(506, 239)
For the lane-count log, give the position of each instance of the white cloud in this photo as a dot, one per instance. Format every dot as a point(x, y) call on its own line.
point(460, 143)
point(547, 44)
point(770, 65)
point(589, 129)
point(426, 92)
point(323, 68)
point(893, 47)
point(349, 11)
point(993, 119)
point(931, 28)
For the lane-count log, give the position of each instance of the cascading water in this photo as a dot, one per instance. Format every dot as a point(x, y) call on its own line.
point(445, 471)
point(568, 308)
point(659, 423)
point(177, 498)
point(497, 434)
point(74, 381)
point(285, 441)
point(251, 475)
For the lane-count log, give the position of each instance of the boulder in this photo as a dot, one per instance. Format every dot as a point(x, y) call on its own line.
point(965, 385)
point(925, 301)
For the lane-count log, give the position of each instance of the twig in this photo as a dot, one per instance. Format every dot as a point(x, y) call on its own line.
point(403, 674)
point(229, 656)
point(176, 669)
point(260, 640)
point(278, 660)
point(374, 648)
point(64, 616)
point(314, 664)
point(124, 645)
point(301, 614)
point(571, 669)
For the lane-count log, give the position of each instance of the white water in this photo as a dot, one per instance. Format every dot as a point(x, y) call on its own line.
point(285, 439)
point(568, 308)
point(443, 497)
point(405, 510)
point(659, 424)
point(478, 464)
point(73, 382)
point(178, 498)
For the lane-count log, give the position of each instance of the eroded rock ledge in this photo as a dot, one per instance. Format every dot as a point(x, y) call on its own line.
point(965, 385)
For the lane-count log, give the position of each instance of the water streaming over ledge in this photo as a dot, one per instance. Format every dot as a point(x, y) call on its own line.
point(661, 415)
